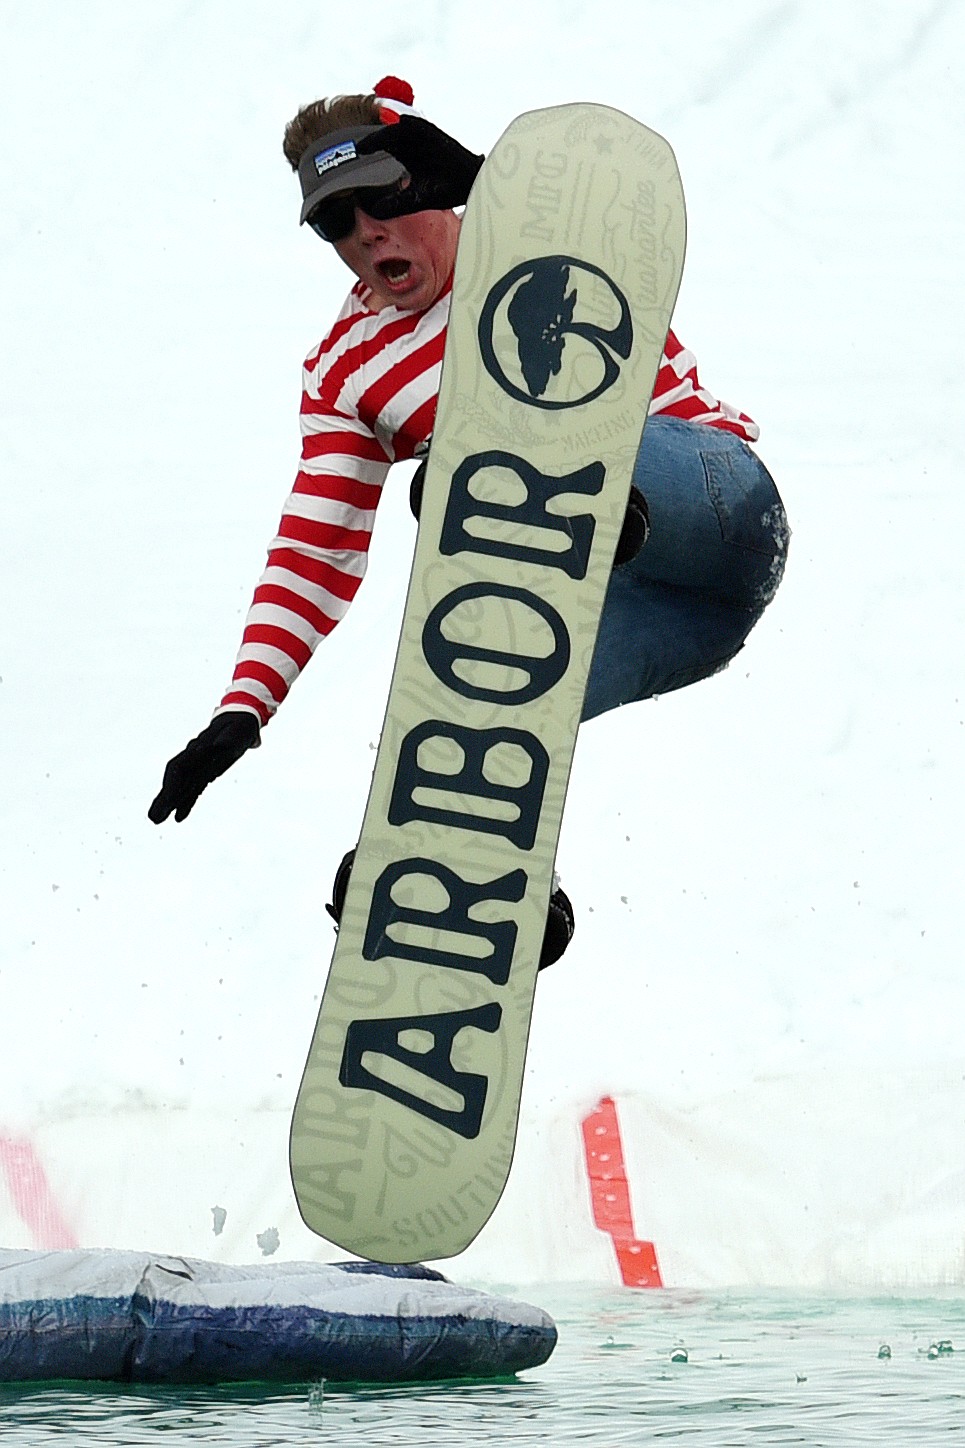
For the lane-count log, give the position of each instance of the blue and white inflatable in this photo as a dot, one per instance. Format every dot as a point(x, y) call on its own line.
point(136, 1317)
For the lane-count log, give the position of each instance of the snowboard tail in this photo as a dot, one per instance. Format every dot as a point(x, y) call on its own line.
point(568, 266)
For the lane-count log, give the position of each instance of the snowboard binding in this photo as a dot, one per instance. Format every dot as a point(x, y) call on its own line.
point(560, 920)
point(633, 534)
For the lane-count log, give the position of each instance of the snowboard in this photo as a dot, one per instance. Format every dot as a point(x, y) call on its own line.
point(568, 265)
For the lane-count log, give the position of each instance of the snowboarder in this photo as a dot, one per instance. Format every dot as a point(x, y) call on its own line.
point(705, 539)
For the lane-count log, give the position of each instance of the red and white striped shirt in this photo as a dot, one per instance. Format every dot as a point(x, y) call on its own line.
point(368, 399)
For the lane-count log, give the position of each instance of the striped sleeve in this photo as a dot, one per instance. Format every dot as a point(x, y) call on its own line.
point(678, 393)
point(317, 560)
point(368, 398)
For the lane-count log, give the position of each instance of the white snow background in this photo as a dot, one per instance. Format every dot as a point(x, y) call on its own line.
point(767, 867)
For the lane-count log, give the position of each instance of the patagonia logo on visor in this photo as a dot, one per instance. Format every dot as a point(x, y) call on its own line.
point(335, 156)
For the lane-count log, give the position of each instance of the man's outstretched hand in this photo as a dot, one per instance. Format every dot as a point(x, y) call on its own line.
point(216, 749)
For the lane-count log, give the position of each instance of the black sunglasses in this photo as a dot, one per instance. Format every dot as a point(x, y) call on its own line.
point(334, 219)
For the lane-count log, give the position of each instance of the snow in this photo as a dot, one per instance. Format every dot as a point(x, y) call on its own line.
point(766, 867)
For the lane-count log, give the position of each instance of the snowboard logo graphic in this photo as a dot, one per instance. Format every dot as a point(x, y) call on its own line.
point(554, 332)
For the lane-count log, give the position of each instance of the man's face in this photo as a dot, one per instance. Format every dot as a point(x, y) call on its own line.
point(405, 261)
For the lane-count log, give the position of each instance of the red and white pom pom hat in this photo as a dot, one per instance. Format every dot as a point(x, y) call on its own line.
point(333, 164)
point(396, 99)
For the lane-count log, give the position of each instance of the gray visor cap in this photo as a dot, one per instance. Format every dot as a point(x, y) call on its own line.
point(332, 165)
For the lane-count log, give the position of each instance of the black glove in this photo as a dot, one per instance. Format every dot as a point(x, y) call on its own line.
point(442, 170)
point(216, 749)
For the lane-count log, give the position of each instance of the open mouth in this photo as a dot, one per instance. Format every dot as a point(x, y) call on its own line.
point(394, 270)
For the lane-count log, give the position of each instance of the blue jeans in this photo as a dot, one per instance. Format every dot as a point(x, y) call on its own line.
point(683, 608)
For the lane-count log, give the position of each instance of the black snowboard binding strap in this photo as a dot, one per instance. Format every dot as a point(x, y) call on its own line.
point(560, 920)
point(633, 535)
point(339, 887)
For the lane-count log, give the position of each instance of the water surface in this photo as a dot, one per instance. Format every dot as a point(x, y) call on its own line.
point(719, 1369)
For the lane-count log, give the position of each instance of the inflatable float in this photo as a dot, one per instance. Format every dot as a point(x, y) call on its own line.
point(137, 1317)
